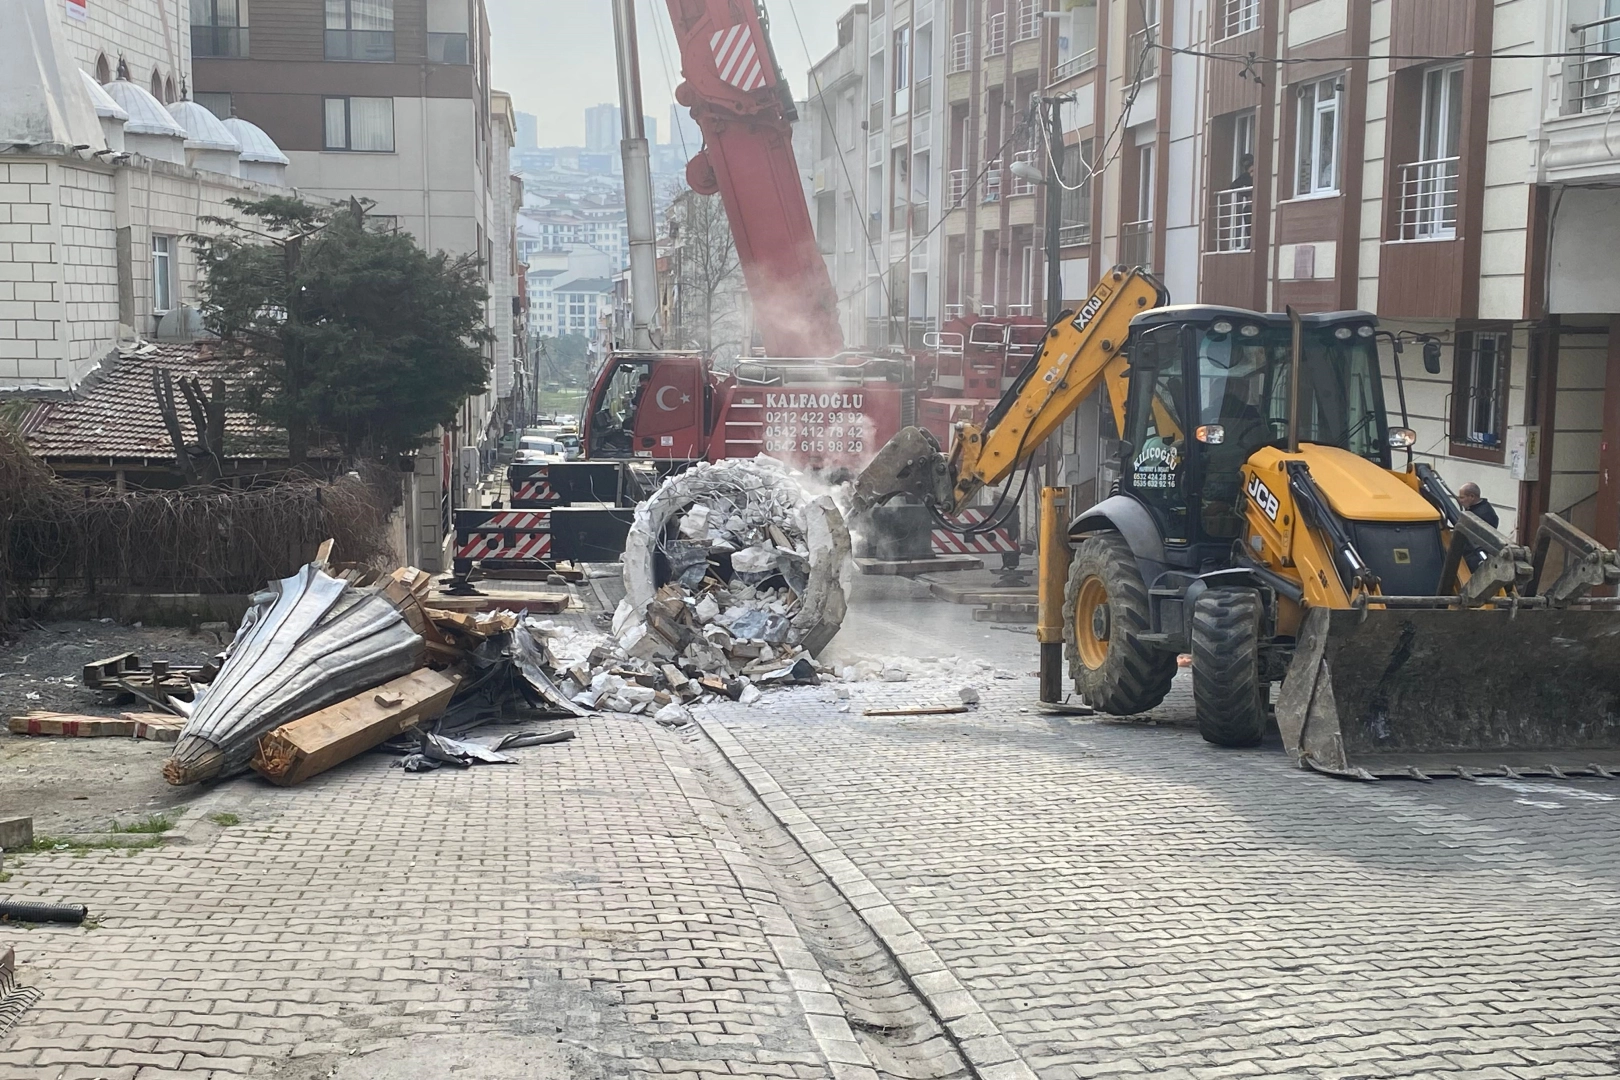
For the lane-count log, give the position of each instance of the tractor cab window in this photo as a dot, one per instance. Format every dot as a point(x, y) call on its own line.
point(1342, 403)
point(614, 423)
point(1156, 467)
point(1237, 415)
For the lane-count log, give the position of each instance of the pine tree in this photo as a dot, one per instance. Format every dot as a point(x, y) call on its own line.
point(341, 332)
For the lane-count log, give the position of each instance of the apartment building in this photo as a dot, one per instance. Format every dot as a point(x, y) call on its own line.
point(1393, 156)
point(876, 115)
point(998, 59)
point(389, 99)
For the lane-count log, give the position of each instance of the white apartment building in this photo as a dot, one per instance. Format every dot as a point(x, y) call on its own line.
point(877, 117)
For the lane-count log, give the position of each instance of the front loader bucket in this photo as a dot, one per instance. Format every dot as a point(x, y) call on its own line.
point(1446, 691)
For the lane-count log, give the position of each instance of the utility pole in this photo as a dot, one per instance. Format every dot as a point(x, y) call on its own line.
point(638, 198)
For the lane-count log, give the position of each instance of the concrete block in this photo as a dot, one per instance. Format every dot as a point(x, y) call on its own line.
point(16, 833)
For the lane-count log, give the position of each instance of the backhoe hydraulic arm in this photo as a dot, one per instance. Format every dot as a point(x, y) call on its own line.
point(1081, 349)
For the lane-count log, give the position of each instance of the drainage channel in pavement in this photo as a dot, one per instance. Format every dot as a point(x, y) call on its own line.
point(896, 1021)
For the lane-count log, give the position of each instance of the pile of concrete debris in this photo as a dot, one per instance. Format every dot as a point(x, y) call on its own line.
point(734, 579)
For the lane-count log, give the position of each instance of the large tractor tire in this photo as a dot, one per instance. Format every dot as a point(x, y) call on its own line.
point(1233, 703)
point(1105, 607)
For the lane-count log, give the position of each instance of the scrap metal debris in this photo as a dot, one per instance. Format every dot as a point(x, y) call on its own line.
point(308, 641)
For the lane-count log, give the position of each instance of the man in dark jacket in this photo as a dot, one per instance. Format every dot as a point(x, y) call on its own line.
point(1480, 506)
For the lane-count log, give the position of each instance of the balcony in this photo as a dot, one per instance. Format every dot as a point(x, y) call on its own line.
point(961, 52)
point(960, 182)
point(1145, 51)
point(1029, 20)
point(1428, 206)
point(1028, 157)
point(1075, 65)
point(1597, 76)
point(219, 41)
point(1136, 244)
point(992, 182)
point(995, 34)
point(1580, 145)
point(1074, 235)
point(1234, 220)
point(375, 46)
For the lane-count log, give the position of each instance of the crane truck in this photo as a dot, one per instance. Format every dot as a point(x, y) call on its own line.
point(1261, 525)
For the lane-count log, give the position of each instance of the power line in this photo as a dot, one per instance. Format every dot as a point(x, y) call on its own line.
point(1256, 58)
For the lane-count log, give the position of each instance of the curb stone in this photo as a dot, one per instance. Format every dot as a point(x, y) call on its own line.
point(989, 1055)
point(828, 1022)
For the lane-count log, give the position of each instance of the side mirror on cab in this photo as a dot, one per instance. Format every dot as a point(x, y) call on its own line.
point(1431, 356)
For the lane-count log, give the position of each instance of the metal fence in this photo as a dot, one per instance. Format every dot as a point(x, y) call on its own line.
point(1136, 243)
point(1597, 77)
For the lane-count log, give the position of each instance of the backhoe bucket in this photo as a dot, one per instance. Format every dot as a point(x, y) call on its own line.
point(1460, 692)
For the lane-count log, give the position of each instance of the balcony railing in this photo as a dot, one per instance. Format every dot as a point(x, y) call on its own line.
point(1074, 235)
point(1241, 16)
point(1597, 77)
point(1021, 186)
point(1144, 48)
point(1136, 244)
point(372, 45)
point(1234, 220)
point(995, 34)
point(1429, 200)
point(959, 186)
point(961, 52)
point(1029, 20)
point(227, 41)
point(992, 182)
point(1075, 65)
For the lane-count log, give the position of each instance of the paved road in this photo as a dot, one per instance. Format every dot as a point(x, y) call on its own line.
point(1125, 900)
point(582, 914)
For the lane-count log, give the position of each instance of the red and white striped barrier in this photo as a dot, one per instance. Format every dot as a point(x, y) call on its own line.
point(995, 542)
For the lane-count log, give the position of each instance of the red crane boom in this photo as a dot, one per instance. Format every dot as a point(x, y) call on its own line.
point(739, 100)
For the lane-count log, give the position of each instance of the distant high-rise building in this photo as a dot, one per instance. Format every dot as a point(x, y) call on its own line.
point(652, 129)
point(528, 131)
point(602, 129)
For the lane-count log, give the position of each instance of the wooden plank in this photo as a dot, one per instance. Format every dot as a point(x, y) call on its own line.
point(159, 727)
point(534, 603)
point(917, 710)
point(312, 744)
point(156, 727)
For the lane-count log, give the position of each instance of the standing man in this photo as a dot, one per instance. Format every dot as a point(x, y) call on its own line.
point(1470, 498)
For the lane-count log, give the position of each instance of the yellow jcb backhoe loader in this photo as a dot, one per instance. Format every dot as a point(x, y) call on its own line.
point(1260, 525)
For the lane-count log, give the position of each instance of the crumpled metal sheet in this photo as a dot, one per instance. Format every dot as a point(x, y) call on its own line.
point(308, 641)
point(508, 681)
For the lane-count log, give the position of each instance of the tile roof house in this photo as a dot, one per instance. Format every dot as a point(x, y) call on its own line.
point(112, 427)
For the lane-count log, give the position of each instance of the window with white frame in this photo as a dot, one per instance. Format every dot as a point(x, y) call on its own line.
point(1429, 185)
point(1239, 17)
point(1316, 142)
point(360, 124)
point(902, 71)
point(1243, 149)
point(162, 274)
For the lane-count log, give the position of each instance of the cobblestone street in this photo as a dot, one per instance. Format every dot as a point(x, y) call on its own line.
point(795, 890)
point(1123, 899)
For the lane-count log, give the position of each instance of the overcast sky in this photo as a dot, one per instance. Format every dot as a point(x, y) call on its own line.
point(555, 57)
